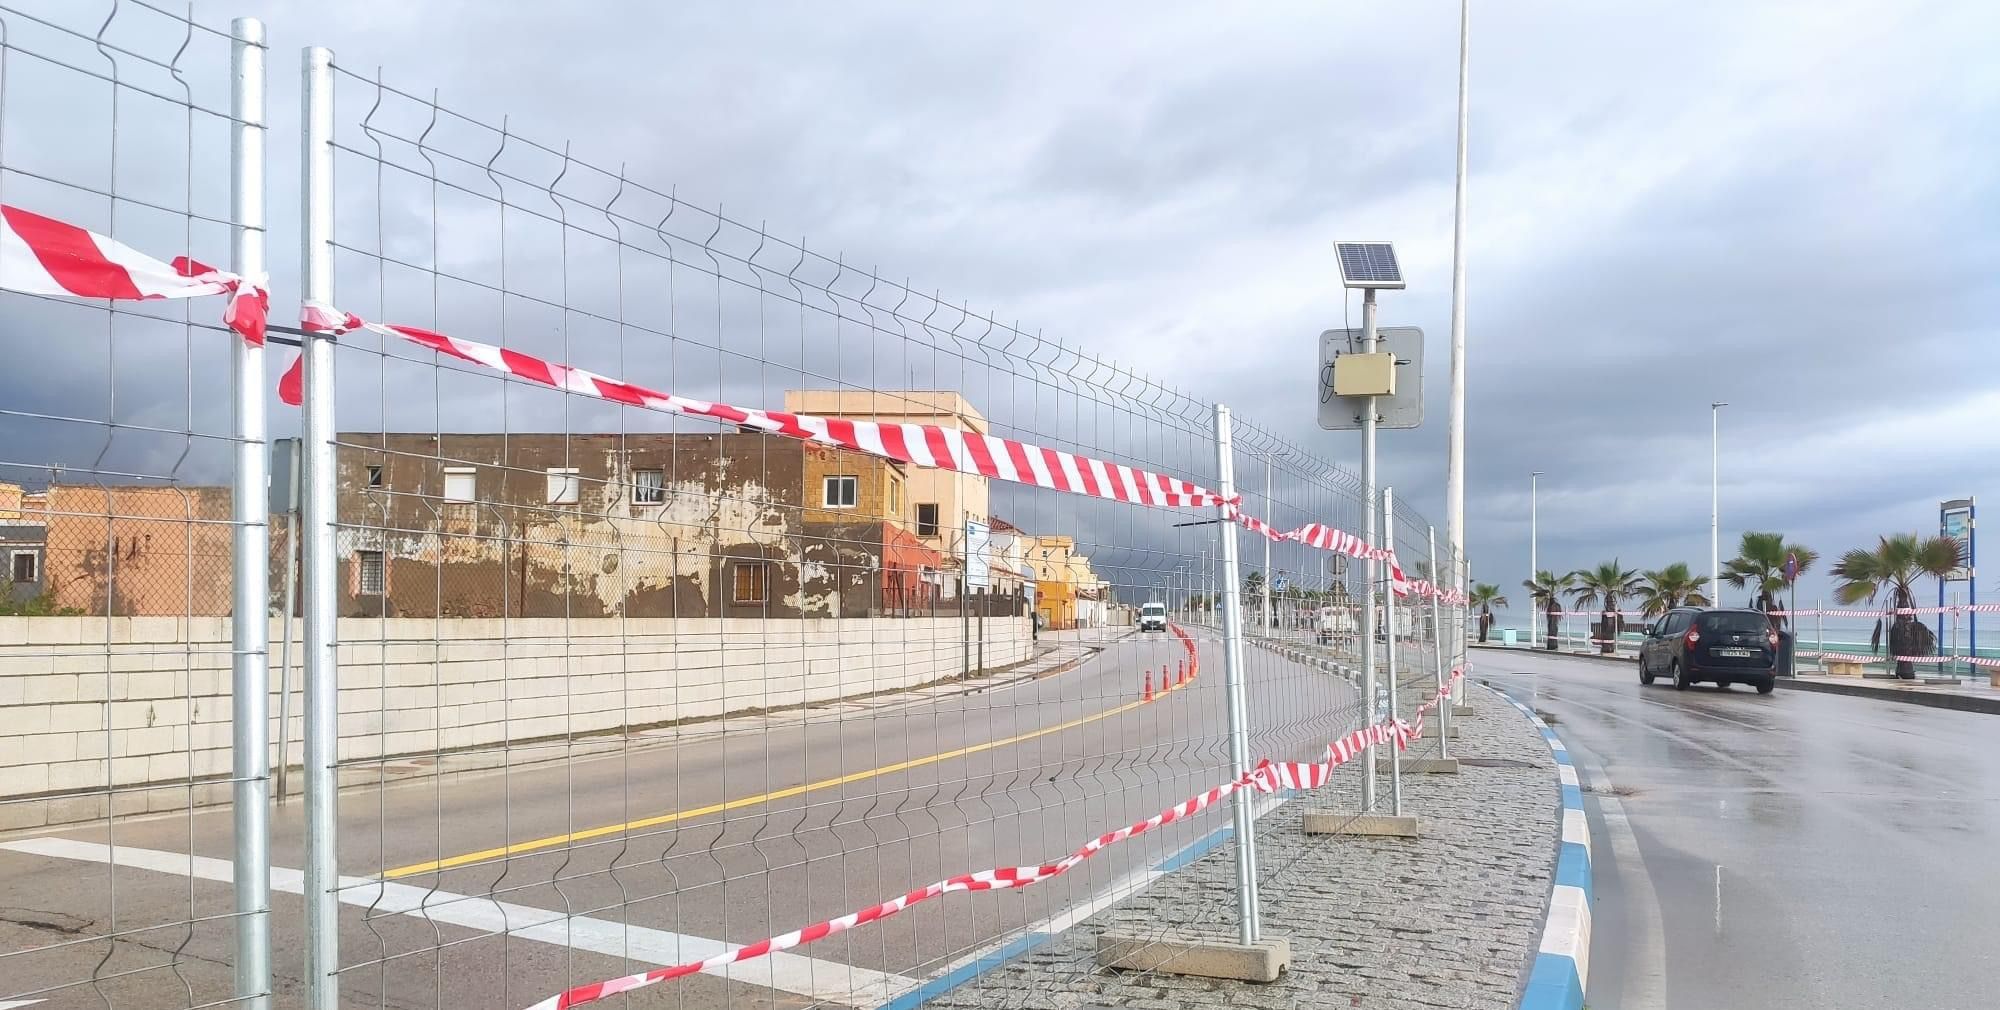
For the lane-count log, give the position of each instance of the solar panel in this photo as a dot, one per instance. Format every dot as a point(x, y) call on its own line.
point(1368, 265)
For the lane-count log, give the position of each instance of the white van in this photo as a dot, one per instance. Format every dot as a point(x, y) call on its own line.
point(1153, 617)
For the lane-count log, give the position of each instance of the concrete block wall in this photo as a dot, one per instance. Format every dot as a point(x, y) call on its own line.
point(92, 702)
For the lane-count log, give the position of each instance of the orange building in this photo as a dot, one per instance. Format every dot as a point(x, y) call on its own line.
point(138, 551)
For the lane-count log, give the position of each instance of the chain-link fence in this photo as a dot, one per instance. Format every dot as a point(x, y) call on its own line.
point(665, 586)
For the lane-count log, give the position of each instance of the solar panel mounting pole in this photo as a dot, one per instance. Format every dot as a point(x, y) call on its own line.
point(1373, 568)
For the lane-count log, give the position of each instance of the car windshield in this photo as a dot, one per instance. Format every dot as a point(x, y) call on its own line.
point(1735, 622)
point(1154, 609)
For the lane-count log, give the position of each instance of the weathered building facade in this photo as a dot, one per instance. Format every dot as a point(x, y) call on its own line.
point(636, 525)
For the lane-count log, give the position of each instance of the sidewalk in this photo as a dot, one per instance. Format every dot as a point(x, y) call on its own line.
point(1963, 696)
point(1452, 919)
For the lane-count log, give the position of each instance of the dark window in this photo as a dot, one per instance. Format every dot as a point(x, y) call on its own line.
point(371, 573)
point(649, 487)
point(1677, 623)
point(841, 492)
point(374, 476)
point(1736, 623)
point(927, 519)
point(24, 566)
point(749, 582)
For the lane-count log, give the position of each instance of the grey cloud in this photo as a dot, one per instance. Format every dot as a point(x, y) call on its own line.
point(1671, 204)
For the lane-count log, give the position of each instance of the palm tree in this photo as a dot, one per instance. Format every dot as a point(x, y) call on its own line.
point(1670, 587)
point(1602, 587)
point(1892, 569)
point(1546, 591)
point(1485, 597)
point(1759, 565)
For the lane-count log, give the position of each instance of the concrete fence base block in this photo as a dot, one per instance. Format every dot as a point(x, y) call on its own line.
point(1461, 711)
point(1431, 730)
point(1341, 822)
point(1423, 766)
point(1206, 956)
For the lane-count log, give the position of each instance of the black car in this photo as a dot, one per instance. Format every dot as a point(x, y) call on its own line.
point(1722, 647)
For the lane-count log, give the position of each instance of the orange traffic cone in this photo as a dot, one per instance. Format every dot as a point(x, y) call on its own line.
point(1180, 673)
point(1149, 685)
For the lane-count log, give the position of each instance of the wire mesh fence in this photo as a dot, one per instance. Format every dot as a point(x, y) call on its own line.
point(592, 678)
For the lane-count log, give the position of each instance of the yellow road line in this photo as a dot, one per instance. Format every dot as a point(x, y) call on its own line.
point(750, 801)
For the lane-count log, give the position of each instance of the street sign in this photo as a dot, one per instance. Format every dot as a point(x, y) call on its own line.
point(1404, 409)
point(1955, 521)
point(978, 554)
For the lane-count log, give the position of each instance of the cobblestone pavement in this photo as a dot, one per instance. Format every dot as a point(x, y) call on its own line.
point(1447, 920)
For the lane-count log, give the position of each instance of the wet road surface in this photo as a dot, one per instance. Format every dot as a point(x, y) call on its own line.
point(1795, 850)
point(704, 838)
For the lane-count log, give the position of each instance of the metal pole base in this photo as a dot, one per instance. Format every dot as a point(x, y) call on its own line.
point(1207, 956)
point(1342, 822)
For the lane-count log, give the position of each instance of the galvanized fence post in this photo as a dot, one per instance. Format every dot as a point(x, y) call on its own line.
point(1389, 650)
point(250, 646)
point(1249, 926)
point(1437, 656)
point(322, 724)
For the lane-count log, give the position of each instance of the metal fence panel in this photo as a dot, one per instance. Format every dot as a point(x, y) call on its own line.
point(745, 590)
point(131, 704)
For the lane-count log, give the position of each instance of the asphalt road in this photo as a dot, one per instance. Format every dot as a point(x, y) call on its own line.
point(719, 832)
point(1796, 850)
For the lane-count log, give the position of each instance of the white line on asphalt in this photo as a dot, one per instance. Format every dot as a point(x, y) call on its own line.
point(16, 1004)
point(1718, 899)
point(805, 976)
point(1646, 968)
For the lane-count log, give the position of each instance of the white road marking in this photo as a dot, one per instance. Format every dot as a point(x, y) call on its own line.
point(15, 1004)
point(805, 976)
point(1646, 969)
point(1718, 899)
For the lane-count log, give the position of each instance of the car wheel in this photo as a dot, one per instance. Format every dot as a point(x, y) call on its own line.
point(1645, 675)
point(1766, 685)
point(1681, 681)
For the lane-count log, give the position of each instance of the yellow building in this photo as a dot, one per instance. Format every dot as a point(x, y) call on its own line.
point(1066, 589)
point(849, 487)
point(936, 503)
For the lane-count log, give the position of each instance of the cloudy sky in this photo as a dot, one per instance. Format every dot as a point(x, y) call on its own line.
point(1788, 206)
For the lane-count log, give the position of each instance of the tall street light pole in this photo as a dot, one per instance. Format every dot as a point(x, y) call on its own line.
point(1715, 502)
point(1270, 456)
point(1534, 539)
point(1454, 493)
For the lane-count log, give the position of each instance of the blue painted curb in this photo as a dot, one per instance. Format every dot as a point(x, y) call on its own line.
point(1028, 941)
point(1561, 970)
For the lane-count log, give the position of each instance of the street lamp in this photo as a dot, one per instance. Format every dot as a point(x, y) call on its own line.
point(1715, 502)
point(1534, 538)
point(1270, 509)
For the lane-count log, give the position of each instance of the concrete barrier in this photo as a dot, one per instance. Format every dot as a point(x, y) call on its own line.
point(91, 702)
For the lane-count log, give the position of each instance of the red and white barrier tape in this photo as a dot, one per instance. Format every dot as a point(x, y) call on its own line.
point(1953, 608)
point(1268, 777)
point(43, 256)
point(922, 445)
point(1851, 657)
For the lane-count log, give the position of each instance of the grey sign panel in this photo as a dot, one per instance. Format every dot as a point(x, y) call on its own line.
point(1403, 410)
